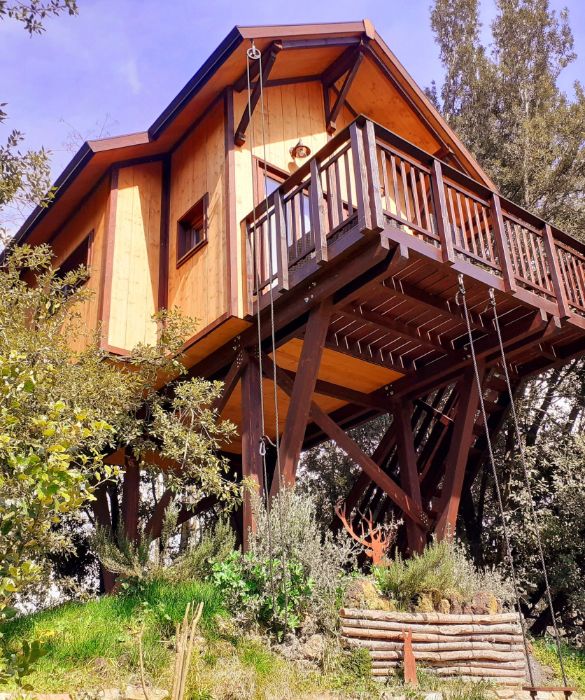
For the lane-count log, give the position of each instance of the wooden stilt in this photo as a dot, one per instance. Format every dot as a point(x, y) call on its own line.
point(131, 498)
point(251, 435)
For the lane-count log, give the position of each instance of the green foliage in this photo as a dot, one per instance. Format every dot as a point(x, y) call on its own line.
point(503, 100)
point(545, 651)
point(216, 546)
point(77, 634)
point(358, 663)
point(442, 570)
point(272, 592)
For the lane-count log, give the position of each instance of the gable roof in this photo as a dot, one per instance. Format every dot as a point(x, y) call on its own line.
point(308, 50)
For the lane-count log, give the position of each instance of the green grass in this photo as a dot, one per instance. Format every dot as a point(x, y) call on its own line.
point(96, 642)
point(573, 659)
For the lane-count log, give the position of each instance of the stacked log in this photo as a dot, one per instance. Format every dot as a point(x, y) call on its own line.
point(469, 647)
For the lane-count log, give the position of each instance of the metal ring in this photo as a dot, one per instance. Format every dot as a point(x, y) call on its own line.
point(253, 53)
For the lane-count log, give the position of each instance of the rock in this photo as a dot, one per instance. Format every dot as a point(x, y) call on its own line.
point(433, 696)
point(484, 603)
point(424, 603)
point(111, 694)
point(504, 693)
point(135, 692)
point(444, 606)
point(362, 593)
point(314, 648)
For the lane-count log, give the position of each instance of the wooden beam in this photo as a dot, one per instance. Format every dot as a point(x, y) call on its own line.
point(252, 467)
point(555, 272)
point(268, 59)
point(403, 330)
point(230, 381)
point(442, 220)
point(408, 470)
point(502, 244)
point(344, 442)
point(303, 388)
point(338, 104)
point(457, 456)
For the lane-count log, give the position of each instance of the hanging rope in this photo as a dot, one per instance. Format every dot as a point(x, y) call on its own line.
point(462, 301)
point(254, 54)
point(527, 481)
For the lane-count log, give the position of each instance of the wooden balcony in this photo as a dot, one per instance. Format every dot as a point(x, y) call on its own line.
point(369, 182)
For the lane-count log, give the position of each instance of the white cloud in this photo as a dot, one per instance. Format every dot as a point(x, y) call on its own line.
point(129, 72)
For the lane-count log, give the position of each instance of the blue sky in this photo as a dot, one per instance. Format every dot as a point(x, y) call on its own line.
point(120, 62)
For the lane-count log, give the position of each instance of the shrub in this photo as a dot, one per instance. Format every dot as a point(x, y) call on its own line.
point(292, 570)
point(441, 571)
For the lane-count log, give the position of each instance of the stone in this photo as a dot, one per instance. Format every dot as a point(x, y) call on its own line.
point(314, 647)
point(484, 603)
point(504, 693)
point(111, 694)
point(433, 696)
point(444, 606)
point(424, 603)
point(362, 593)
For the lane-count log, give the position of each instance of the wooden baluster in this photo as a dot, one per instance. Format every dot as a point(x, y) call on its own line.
point(317, 213)
point(502, 245)
point(555, 272)
point(376, 223)
point(360, 176)
point(281, 243)
point(440, 210)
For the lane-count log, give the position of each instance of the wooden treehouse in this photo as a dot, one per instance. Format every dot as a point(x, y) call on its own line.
point(347, 272)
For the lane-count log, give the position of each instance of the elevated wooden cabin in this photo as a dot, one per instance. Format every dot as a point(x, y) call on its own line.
point(342, 283)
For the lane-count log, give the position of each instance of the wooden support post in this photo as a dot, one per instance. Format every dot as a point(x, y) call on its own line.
point(317, 213)
point(281, 244)
point(555, 272)
point(303, 388)
point(441, 217)
point(131, 498)
point(409, 477)
point(360, 174)
point(374, 189)
point(251, 435)
point(458, 454)
point(502, 245)
point(101, 513)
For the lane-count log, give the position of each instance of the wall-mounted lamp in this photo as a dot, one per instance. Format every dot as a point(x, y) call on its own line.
point(300, 150)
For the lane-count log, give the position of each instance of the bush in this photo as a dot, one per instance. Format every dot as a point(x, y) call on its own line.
point(441, 571)
point(292, 570)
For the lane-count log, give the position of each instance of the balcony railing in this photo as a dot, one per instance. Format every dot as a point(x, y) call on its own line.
point(369, 179)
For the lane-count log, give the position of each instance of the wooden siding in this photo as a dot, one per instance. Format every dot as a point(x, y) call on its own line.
point(90, 217)
point(135, 271)
point(372, 94)
point(293, 112)
point(198, 287)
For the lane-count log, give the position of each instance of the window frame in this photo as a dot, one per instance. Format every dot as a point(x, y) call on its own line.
point(89, 240)
point(272, 171)
point(190, 218)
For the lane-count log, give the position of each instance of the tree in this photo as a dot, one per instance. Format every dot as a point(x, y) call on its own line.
point(63, 411)
point(505, 102)
point(24, 175)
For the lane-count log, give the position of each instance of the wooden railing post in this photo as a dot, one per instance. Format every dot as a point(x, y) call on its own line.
point(555, 272)
point(374, 194)
point(281, 243)
point(317, 213)
point(360, 177)
point(441, 218)
point(250, 278)
point(502, 244)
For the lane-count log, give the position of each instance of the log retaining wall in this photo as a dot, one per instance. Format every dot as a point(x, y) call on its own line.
point(470, 647)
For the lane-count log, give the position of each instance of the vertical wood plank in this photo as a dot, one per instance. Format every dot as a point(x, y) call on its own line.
point(360, 176)
point(281, 243)
point(317, 213)
point(440, 207)
point(555, 272)
point(373, 171)
point(502, 244)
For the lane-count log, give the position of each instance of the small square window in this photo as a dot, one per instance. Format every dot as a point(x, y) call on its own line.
point(192, 230)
